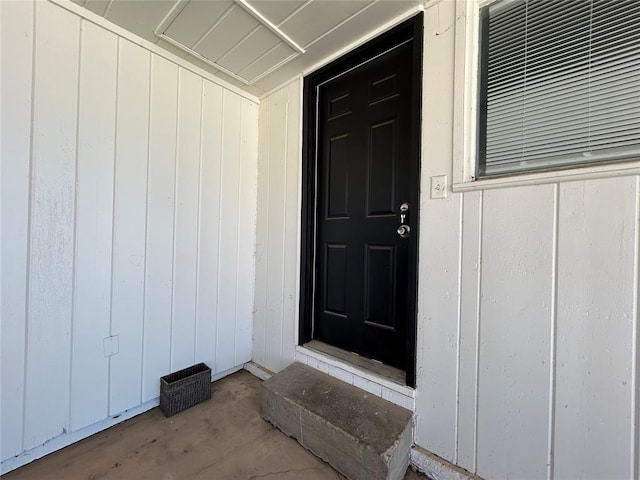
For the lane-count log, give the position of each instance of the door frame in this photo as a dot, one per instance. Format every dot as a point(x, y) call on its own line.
point(411, 29)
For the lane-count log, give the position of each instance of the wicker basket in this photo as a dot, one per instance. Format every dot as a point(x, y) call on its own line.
point(184, 389)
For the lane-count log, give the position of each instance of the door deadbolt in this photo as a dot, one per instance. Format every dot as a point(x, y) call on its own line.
point(404, 208)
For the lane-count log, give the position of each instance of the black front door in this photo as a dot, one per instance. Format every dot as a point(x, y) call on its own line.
point(367, 188)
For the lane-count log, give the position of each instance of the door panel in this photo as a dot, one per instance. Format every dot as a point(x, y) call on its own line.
point(364, 175)
point(379, 278)
point(381, 168)
point(335, 276)
point(338, 177)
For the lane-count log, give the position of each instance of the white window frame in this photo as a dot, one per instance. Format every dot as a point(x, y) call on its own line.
point(465, 120)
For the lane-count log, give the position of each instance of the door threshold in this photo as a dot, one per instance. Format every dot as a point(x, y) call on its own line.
point(374, 367)
point(378, 379)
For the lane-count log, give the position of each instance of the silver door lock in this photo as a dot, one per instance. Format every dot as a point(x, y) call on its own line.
point(403, 230)
point(404, 208)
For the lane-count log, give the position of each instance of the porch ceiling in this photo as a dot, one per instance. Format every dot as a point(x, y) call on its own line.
point(254, 44)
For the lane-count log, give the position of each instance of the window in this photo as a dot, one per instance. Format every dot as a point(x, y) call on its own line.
point(559, 84)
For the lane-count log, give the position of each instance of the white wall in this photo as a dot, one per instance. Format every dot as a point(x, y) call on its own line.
point(528, 302)
point(528, 311)
point(528, 355)
point(279, 170)
point(128, 210)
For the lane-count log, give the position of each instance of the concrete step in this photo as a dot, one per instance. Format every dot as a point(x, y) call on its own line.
point(362, 436)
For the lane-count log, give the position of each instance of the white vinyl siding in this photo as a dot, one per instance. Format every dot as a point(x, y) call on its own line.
point(279, 163)
point(128, 209)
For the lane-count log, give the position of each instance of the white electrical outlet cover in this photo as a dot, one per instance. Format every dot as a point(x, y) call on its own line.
point(439, 187)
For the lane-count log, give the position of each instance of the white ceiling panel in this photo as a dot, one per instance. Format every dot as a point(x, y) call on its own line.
point(236, 25)
point(97, 6)
point(376, 16)
point(273, 57)
point(250, 38)
point(250, 49)
point(318, 17)
point(139, 16)
point(276, 10)
point(372, 19)
point(195, 20)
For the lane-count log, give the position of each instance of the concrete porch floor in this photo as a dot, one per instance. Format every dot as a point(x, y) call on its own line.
point(224, 438)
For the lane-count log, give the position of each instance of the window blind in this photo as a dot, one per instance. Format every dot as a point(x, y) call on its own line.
point(560, 84)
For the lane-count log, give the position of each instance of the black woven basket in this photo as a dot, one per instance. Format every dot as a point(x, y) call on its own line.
point(184, 389)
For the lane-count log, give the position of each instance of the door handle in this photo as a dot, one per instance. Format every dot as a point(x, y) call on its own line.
point(404, 230)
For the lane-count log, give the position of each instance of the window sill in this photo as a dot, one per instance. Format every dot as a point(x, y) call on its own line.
point(545, 178)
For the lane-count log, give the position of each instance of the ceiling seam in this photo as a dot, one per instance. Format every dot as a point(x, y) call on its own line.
point(104, 11)
point(168, 19)
point(240, 42)
point(343, 22)
point(204, 59)
point(294, 13)
point(275, 67)
point(108, 9)
point(263, 21)
point(224, 15)
point(267, 23)
point(261, 57)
